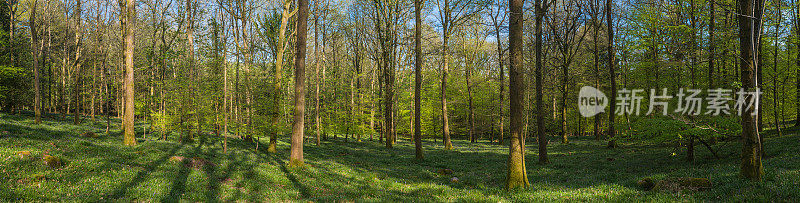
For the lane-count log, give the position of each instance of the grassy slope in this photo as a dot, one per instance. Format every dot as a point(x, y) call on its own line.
point(103, 169)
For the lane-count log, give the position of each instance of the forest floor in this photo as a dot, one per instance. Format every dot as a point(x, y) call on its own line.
point(102, 169)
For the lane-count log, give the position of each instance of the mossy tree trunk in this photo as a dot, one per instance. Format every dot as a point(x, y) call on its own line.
point(517, 175)
point(751, 167)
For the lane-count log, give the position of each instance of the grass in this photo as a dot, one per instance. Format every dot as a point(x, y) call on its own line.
point(102, 169)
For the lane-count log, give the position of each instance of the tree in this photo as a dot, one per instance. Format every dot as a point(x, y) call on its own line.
point(796, 26)
point(128, 16)
point(540, 11)
point(77, 85)
point(37, 102)
point(749, 35)
point(417, 78)
point(498, 17)
point(296, 155)
point(517, 175)
point(316, 69)
point(280, 52)
point(564, 26)
point(451, 17)
point(611, 63)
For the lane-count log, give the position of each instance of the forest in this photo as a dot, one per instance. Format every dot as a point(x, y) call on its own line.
point(399, 100)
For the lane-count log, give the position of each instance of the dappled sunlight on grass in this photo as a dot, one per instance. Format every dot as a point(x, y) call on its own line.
point(99, 169)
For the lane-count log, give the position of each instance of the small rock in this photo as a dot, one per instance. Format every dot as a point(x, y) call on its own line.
point(445, 171)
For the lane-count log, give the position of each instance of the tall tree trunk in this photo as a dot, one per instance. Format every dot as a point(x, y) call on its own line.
point(517, 175)
point(564, 84)
point(612, 63)
point(128, 20)
point(417, 79)
point(775, 70)
point(282, 44)
point(542, 137)
point(316, 70)
point(751, 167)
point(502, 79)
point(37, 102)
point(76, 88)
point(190, 6)
point(467, 74)
point(296, 153)
point(712, 47)
point(796, 21)
point(445, 66)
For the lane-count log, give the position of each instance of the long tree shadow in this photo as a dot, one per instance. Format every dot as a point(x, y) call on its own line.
point(141, 175)
point(179, 183)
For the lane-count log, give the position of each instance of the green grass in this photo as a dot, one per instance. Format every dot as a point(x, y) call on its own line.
point(100, 169)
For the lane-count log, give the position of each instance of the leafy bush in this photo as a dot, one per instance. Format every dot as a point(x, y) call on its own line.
point(12, 86)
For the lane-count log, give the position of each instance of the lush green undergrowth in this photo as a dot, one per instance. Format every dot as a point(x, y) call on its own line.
point(101, 168)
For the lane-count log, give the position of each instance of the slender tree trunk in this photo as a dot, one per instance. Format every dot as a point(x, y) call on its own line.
point(467, 74)
point(502, 81)
point(612, 63)
point(445, 122)
point(796, 21)
point(76, 88)
point(296, 155)
point(445, 66)
point(128, 21)
point(775, 71)
point(417, 79)
point(751, 167)
point(316, 69)
point(564, 84)
point(37, 102)
point(712, 47)
point(542, 137)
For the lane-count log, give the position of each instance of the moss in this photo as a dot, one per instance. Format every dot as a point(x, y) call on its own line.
point(89, 134)
point(52, 161)
point(695, 183)
point(647, 184)
point(445, 171)
point(176, 159)
point(23, 154)
point(296, 163)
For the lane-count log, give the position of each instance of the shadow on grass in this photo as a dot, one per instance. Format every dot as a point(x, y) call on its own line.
point(142, 175)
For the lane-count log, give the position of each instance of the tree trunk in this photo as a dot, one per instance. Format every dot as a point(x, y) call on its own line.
point(542, 138)
point(502, 81)
point(129, 16)
point(775, 71)
point(316, 70)
point(417, 79)
point(296, 155)
point(751, 167)
point(445, 122)
point(612, 63)
point(467, 74)
point(76, 88)
point(37, 102)
point(517, 176)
